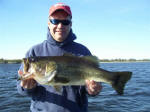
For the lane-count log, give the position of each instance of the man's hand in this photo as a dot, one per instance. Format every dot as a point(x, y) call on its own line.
point(27, 83)
point(93, 87)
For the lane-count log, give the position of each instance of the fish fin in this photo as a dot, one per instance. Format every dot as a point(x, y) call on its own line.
point(58, 88)
point(25, 76)
point(52, 75)
point(120, 80)
point(68, 54)
point(50, 67)
point(92, 60)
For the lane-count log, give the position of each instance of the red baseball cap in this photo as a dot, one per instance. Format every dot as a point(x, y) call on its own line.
point(60, 6)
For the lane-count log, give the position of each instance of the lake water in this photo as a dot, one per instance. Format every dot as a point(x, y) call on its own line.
point(136, 96)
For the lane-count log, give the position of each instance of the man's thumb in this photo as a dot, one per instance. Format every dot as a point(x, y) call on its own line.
point(20, 72)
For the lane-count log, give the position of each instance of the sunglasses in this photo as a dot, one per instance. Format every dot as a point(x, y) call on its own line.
point(57, 21)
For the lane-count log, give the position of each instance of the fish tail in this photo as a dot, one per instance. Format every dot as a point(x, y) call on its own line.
point(120, 80)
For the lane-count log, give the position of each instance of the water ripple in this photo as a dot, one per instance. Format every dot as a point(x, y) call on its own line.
point(136, 96)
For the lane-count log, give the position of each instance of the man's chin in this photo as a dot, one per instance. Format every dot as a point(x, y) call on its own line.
point(60, 39)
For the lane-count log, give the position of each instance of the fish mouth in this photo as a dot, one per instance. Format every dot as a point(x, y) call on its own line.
point(26, 76)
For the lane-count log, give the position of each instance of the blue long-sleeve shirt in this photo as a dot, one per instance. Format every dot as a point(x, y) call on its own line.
point(46, 98)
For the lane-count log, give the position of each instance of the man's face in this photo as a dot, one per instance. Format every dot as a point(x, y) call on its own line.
point(59, 31)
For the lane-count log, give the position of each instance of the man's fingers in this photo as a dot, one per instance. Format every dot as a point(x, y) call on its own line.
point(32, 84)
point(28, 83)
point(20, 72)
point(89, 84)
point(93, 87)
point(23, 83)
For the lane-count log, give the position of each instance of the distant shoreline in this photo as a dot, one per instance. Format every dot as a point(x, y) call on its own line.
point(18, 61)
point(5, 61)
point(123, 61)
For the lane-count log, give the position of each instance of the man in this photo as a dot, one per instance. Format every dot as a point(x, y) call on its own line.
point(60, 40)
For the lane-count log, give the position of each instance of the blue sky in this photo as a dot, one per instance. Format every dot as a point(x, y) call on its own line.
point(109, 28)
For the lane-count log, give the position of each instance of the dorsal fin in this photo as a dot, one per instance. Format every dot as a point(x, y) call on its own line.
point(68, 54)
point(93, 60)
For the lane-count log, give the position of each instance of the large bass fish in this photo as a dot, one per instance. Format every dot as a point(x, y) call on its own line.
point(72, 70)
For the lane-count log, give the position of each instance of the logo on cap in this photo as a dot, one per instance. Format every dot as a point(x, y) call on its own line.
point(60, 6)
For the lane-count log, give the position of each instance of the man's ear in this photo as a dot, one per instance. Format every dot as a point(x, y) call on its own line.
point(48, 22)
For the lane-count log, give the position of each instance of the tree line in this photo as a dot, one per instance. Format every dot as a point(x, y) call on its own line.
point(5, 61)
point(17, 61)
point(124, 60)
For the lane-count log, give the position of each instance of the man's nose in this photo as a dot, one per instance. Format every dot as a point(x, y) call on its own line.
point(60, 25)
